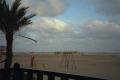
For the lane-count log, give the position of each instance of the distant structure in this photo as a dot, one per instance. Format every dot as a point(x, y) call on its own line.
point(2, 50)
point(69, 60)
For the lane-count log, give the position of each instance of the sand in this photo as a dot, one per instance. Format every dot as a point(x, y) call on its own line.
point(100, 66)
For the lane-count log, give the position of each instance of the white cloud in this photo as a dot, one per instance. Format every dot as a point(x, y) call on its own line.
point(102, 29)
point(91, 36)
point(51, 28)
point(52, 24)
point(48, 28)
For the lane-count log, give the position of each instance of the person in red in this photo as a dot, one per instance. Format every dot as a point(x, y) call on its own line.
point(32, 61)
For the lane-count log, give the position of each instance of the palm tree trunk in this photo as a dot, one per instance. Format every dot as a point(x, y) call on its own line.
point(9, 54)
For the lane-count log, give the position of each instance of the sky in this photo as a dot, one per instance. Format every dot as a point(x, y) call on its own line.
point(70, 25)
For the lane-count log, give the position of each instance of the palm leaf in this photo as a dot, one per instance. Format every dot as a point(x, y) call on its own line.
point(25, 20)
point(15, 6)
point(21, 13)
point(15, 17)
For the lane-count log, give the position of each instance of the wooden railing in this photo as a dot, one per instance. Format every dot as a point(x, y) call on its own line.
point(18, 73)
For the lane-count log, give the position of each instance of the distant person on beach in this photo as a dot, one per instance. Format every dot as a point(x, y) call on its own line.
point(32, 61)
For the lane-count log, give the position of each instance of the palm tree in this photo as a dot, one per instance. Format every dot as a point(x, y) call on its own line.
point(12, 18)
point(23, 36)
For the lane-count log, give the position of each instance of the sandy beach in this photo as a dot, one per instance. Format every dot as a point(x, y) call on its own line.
point(100, 66)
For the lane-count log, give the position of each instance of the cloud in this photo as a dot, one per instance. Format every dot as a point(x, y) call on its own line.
point(109, 8)
point(82, 45)
point(52, 28)
point(91, 36)
point(46, 7)
point(105, 30)
point(47, 28)
point(52, 24)
point(54, 34)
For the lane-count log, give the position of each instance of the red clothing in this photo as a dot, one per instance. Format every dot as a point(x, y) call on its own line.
point(32, 61)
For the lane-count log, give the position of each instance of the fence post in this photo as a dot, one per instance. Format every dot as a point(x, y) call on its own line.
point(17, 74)
point(39, 76)
point(51, 76)
point(64, 78)
point(30, 75)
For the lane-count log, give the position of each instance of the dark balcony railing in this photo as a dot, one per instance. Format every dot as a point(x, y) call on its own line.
point(18, 73)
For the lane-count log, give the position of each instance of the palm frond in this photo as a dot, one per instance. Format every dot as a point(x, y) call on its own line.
point(21, 13)
point(4, 10)
point(15, 6)
point(30, 16)
point(1, 1)
point(27, 38)
point(6, 6)
point(15, 17)
point(25, 20)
